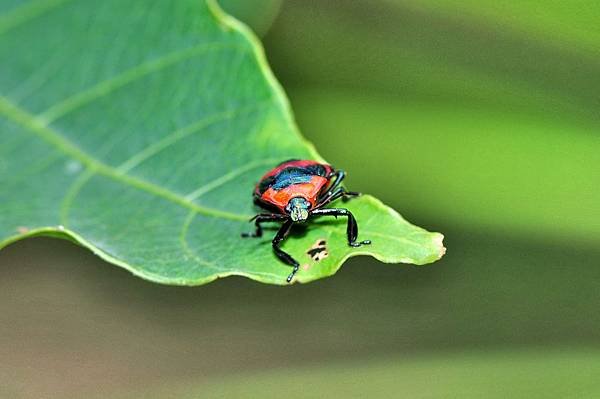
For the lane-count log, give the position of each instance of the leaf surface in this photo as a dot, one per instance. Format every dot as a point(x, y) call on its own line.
point(139, 129)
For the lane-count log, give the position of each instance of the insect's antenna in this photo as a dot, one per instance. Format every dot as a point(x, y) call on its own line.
point(293, 273)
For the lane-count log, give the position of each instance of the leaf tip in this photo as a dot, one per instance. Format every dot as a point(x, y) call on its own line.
point(438, 241)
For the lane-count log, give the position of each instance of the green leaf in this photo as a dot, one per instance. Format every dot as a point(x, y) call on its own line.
point(138, 130)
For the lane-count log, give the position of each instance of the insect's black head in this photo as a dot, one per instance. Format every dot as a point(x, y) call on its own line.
point(298, 208)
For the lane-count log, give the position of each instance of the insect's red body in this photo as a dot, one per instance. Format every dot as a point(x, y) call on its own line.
point(306, 179)
point(294, 191)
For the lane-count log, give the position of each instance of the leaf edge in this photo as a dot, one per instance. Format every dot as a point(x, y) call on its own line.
point(228, 22)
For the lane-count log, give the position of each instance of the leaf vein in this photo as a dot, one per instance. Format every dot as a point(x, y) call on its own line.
point(129, 76)
point(220, 181)
point(26, 12)
point(184, 244)
point(182, 133)
point(71, 194)
point(36, 126)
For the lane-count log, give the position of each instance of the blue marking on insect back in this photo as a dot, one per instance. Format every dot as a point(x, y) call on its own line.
point(290, 176)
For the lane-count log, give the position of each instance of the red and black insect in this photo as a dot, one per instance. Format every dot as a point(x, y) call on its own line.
point(294, 191)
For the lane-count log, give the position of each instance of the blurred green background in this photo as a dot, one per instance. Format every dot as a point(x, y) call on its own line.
point(476, 119)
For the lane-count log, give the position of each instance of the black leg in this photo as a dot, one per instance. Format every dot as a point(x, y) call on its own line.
point(332, 196)
point(339, 176)
point(261, 218)
point(352, 228)
point(284, 256)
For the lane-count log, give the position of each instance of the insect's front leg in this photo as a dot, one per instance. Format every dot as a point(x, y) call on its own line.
point(352, 227)
point(262, 218)
point(284, 256)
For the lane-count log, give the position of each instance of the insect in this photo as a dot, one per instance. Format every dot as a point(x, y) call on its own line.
point(295, 191)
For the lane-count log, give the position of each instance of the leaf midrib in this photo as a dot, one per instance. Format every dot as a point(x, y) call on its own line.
point(38, 127)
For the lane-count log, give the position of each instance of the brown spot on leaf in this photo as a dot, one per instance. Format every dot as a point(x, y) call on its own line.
point(22, 229)
point(318, 251)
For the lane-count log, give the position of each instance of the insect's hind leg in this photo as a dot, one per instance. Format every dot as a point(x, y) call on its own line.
point(351, 228)
point(339, 177)
point(335, 191)
point(262, 218)
point(332, 196)
point(350, 194)
point(284, 256)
